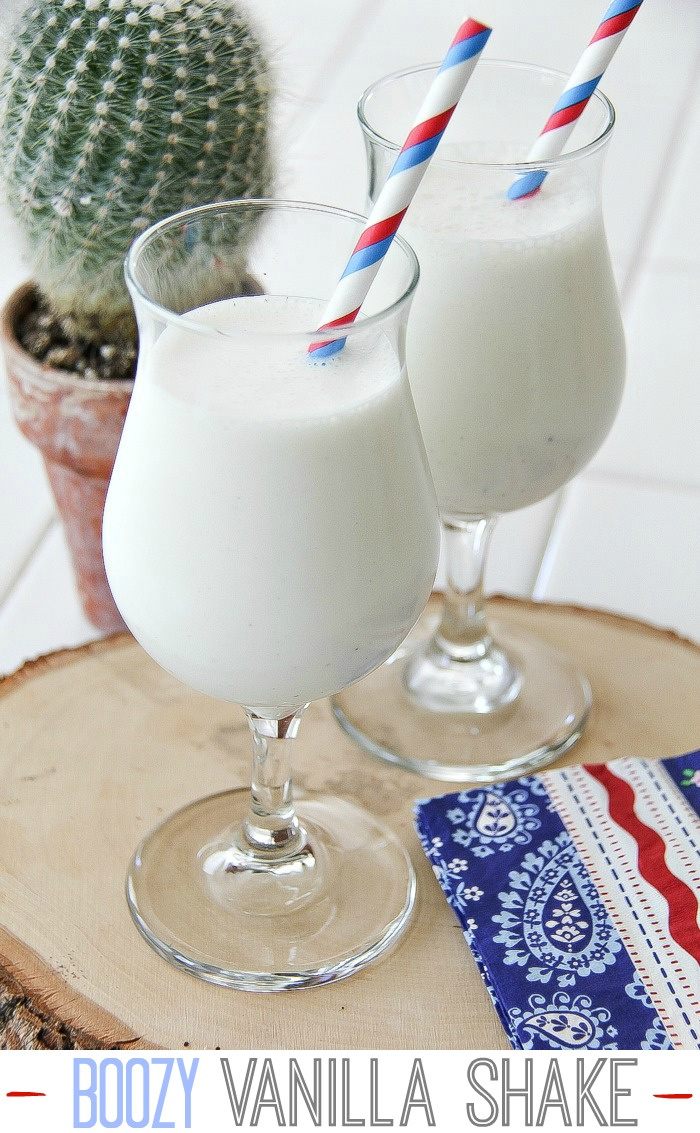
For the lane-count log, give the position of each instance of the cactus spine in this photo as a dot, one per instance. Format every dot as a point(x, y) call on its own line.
point(113, 114)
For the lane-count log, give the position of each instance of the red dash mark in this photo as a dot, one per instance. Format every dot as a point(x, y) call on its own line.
point(25, 1094)
point(673, 1095)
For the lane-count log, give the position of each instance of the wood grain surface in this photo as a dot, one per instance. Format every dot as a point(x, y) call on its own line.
point(99, 744)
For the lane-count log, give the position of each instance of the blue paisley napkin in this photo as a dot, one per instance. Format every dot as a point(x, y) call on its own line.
point(578, 892)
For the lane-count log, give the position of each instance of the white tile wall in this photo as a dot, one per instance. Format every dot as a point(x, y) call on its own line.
point(626, 534)
point(26, 506)
point(43, 611)
point(598, 556)
point(657, 432)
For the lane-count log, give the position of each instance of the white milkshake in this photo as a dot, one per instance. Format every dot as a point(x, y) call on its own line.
point(515, 345)
point(270, 532)
point(515, 354)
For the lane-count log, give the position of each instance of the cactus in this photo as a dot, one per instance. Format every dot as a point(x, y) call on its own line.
point(113, 114)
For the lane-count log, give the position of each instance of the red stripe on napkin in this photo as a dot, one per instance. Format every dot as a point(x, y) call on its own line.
point(651, 860)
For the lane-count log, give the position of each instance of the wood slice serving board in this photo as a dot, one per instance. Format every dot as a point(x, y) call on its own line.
point(98, 745)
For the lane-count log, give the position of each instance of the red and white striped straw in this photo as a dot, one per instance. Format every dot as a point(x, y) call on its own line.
point(584, 79)
point(406, 174)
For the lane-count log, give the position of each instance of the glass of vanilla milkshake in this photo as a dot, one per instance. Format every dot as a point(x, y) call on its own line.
point(516, 359)
point(270, 535)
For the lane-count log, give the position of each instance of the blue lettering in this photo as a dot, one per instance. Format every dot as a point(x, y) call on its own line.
point(142, 1121)
point(187, 1084)
point(117, 1089)
point(111, 1092)
point(158, 1122)
point(88, 1092)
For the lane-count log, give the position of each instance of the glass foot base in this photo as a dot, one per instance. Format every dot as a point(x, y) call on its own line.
point(527, 732)
point(301, 921)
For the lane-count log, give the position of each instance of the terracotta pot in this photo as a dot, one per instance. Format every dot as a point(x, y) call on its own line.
point(76, 424)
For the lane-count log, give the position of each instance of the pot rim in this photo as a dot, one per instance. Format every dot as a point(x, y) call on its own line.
point(66, 379)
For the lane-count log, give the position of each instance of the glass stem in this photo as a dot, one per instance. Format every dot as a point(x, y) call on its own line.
point(462, 633)
point(271, 825)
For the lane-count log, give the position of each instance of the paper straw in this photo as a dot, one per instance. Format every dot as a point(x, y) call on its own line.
point(584, 79)
point(402, 182)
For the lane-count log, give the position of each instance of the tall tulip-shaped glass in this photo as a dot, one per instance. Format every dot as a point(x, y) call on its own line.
point(270, 534)
point(516, 358)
